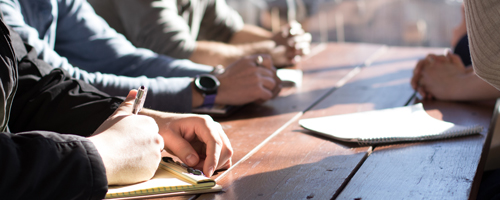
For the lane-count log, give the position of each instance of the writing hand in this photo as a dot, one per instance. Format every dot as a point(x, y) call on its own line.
point(129, 145)
point(196, 139)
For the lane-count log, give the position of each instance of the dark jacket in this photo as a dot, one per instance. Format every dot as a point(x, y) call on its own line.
point(44, 114)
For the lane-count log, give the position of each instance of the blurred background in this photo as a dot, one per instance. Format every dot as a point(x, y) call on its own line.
point(428, 23)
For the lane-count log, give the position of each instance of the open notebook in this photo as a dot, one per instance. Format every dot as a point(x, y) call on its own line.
point(402, 124)
point(171, 178)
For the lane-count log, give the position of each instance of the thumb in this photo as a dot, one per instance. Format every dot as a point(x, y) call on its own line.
point(126, 106)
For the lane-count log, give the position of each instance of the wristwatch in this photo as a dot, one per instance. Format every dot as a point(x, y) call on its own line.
point(207, 84)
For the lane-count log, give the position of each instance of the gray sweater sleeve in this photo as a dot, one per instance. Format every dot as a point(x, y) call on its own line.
point(157, 25)
point(483, 28)
point(219, 22)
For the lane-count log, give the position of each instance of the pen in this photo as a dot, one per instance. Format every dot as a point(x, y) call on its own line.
point(139, 99)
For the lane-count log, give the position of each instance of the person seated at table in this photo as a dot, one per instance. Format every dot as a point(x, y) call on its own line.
point(482, 28)
point(69, 35)
point(61, 138)
point(450, 76)
point(207, 32)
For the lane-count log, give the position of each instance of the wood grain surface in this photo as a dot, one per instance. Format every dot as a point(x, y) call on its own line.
point(251, 127)
point(443, 169)
point(277, 159)
point(254, 123)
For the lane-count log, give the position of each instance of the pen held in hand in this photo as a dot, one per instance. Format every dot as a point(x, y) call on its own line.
point(139, 99)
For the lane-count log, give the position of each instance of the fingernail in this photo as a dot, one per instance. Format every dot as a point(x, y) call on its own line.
point(191, 160)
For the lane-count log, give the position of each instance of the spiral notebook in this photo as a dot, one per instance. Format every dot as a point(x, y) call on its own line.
point(402, 124)
point(171, 178)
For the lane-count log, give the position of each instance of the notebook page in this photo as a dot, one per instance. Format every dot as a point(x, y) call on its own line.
point(402, 122)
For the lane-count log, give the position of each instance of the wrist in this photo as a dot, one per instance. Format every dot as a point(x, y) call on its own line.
point(197, 97)
point(207, 85)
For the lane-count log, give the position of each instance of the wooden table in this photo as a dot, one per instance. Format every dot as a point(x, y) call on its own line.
point(276, 159)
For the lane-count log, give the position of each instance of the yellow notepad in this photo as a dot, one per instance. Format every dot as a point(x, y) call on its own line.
point(170, 179)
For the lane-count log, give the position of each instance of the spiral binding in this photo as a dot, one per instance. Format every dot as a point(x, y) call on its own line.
point(469, 130)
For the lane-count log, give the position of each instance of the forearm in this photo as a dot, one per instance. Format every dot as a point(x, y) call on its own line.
point(48, 165)
point(250, 33)
point(217, 53)
point(474, 88)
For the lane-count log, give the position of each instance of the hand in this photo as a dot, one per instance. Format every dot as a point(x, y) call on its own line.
point(129, 145)
point(291, 44)
point(244, 82)
point(196, 139)
point(440, 77)
point(417, 75)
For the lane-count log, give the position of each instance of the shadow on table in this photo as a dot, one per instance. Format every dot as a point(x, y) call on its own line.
point(318, 180)
point(328, 97)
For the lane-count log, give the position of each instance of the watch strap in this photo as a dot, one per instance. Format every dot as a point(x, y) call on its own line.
point(209, 99)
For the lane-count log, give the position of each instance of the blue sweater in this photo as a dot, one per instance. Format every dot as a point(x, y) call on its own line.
point(68, 34)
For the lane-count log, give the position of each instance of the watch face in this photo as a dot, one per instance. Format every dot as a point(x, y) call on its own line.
point(207, 83)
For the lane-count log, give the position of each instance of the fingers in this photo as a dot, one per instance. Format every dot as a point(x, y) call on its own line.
point(213, 153)
point(298, 46)
point(269, 80)
point(199, 142)
point(422, 91)
point(266, 61)
point(417, 73)
point(218, 148)
point(126, 106)
point(181, 147)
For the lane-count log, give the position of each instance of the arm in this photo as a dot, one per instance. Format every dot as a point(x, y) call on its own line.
point(283, 47)
point(245, 82)
point(482, 27)
point(39, 164)
point(48, 165)
point(166, 93)
point(156, 25)
point(215, 53)
point(88, 42)
point(446, 78)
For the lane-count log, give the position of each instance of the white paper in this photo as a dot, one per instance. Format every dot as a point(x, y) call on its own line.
point(389, 124)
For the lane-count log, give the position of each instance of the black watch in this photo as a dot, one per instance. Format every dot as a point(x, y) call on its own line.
point(207, 84)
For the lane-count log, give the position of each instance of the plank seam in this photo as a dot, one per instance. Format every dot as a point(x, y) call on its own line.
point(314, 51)
point(339, 84)
point(348, 178)
point(258, 147)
